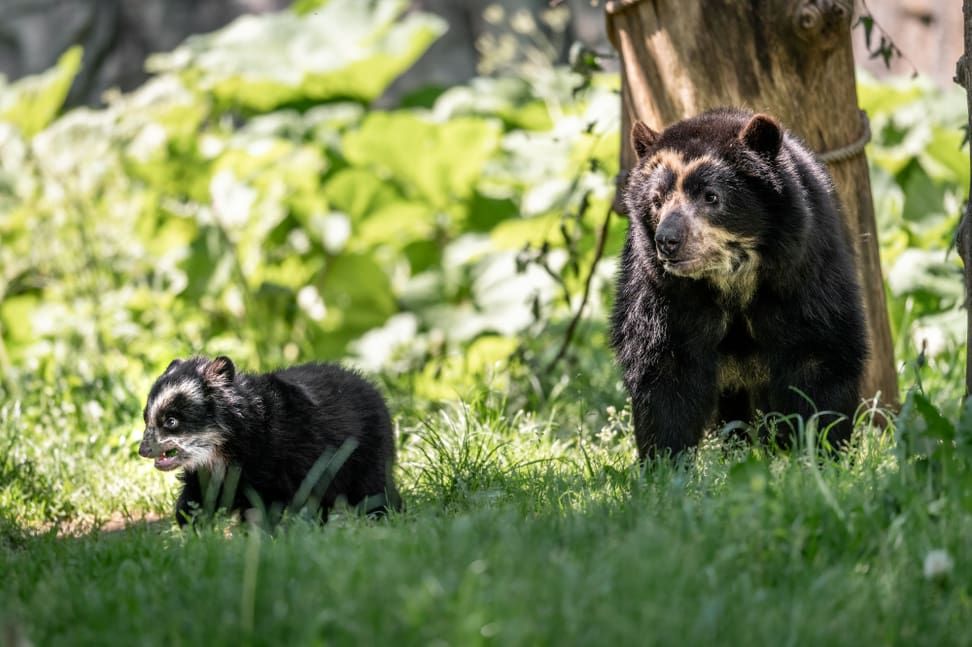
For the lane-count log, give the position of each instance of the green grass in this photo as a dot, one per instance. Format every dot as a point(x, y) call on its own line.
point(520, 530)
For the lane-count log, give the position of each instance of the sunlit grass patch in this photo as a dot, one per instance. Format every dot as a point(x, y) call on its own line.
point(518, 529)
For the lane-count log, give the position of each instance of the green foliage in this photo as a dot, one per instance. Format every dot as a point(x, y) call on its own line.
point(348, 49)
point(886, 49)
point(168, 224)
point(920, 181)
point(438, 164)
point(32, 103)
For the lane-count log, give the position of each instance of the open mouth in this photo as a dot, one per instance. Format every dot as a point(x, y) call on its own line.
point(168, 460)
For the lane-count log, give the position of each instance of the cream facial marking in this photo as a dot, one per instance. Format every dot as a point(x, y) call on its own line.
point(681, 168)
point(187, 388)
point(727, 261)
point(201, 449)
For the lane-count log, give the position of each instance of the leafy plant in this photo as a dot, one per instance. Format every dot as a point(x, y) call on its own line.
point(341, 49)
point(920, 179)
point(252, 206)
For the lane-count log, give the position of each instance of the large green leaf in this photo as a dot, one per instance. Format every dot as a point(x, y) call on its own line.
point(510, 99)
point(356, 293)
point(940, 332)
point(504, 295)
point(923, 197)
point(397, 224)
point(945, 158)
point(437, 162)
point(920, 271)
point(34, 101)
point(911, 118)
point(886, 97)
point(350, 49)
point(208, 265)
point(15, 318)
point(359, 193)
point(517, 232)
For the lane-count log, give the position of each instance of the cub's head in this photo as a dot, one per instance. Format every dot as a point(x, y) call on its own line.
point(702, 195)
point(182, 414)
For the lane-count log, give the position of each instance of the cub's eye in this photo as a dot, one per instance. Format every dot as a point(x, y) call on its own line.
point(710, 197)
point(656, 200)
point(170, 423)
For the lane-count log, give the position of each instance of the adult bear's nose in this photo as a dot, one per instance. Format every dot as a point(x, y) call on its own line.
point(669, 236)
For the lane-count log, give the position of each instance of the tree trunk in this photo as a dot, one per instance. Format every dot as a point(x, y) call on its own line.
point(963, 76)
point(792, 59)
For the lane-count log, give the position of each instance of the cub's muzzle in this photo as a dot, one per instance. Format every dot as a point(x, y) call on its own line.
point(149, 447)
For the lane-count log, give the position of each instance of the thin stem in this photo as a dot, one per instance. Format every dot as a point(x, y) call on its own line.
point(598, 253)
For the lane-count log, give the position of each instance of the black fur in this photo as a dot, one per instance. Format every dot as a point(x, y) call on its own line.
point(244, 440)
point(782, 310)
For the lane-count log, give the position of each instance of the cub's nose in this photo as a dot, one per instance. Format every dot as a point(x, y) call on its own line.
point(668, 242)
point(145, 448)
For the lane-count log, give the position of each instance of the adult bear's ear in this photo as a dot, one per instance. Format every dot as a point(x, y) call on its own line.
point(642, 138)
point(220, 371)
point(763, 135)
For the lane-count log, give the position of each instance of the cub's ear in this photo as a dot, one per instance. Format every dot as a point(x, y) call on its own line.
point(763, 135)
point(173, 365)
point(220, 370)
point(642, 138)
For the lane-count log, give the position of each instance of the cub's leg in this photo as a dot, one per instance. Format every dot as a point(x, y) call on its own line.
point(189, 502)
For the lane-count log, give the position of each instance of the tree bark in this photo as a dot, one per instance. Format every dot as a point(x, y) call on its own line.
point(792, 59)
point(963, 76)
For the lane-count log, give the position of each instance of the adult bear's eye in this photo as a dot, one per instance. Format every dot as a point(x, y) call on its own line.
point(711, 197)
point(656, 200)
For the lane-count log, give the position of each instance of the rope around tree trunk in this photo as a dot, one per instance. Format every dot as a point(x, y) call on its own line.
point(852, 149)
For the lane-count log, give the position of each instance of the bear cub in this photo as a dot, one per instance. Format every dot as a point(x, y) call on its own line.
point(737, 291)
point(301, 435)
